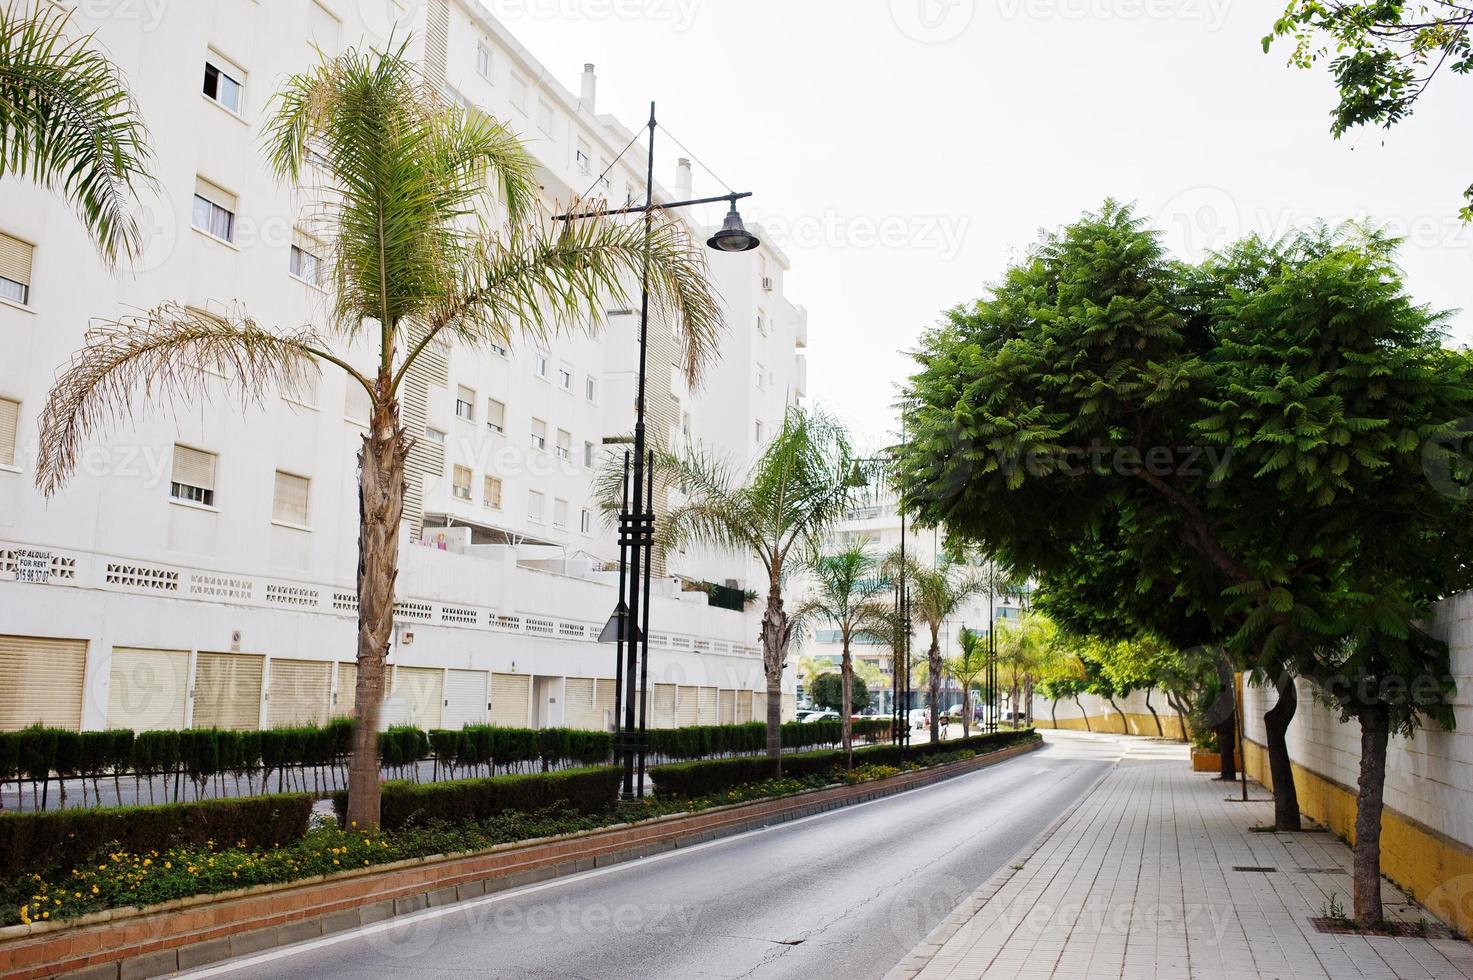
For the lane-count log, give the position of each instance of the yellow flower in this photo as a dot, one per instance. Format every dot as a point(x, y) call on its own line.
point(94, 889)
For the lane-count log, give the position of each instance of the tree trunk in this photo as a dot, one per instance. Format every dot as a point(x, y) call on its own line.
point(1160, 732)
point(1181, 715)
point(380, 508)
point(1281, 770)
point(1225, 710)
point(774, 654)
point(933, 662)
point(1124, 723)
point(1053, 711)
point(846, 720)
point(1083, 714)
point(1227, 740)
point(1375, 729)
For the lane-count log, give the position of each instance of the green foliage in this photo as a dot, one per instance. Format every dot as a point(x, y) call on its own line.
point(584, 790)
point(828, 692)
point(36, 842)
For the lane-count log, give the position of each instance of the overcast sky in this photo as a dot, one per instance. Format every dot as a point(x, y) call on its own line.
point(902, 151)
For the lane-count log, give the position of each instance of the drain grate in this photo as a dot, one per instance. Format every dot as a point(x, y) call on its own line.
point(1322, 871)
point(1253, 867)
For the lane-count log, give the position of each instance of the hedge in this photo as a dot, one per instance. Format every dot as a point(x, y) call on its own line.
point(713, 776)
point(589, 790)
point(35, 842)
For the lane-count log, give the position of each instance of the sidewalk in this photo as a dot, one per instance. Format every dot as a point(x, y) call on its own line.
point(1145, 879)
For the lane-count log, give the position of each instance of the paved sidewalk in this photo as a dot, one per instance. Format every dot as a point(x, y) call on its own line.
point(1142, 880)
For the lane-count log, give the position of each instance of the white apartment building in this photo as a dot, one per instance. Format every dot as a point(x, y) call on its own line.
point(199, 569)
point(874, 522)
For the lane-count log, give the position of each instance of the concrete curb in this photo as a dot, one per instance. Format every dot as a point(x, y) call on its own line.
point(190, 933)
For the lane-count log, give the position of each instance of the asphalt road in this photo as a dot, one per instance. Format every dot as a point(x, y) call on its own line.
point(846, 893)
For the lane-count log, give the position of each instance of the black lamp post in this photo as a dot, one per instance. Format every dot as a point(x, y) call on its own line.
point(628, 627)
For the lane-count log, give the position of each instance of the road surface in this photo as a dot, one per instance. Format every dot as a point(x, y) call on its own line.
point(845, 893)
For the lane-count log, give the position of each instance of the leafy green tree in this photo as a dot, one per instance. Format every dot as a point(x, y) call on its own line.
point(414, 259)
point(937, 593)
point(968, 668)
point(778, 512)
point(68, 123)
point(1268, 419)
point(829, 692)
point(1383, 54)
point(1023, 647)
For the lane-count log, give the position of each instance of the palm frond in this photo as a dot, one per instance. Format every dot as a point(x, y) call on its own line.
point(171, 352)
point(68, 122)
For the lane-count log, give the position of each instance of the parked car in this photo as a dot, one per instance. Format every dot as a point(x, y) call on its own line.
point(920, 717)
point(820, 716)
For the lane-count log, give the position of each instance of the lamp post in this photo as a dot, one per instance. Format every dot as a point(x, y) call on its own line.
point(628, 627)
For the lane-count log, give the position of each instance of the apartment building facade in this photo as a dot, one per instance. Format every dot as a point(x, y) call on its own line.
point(200, 567)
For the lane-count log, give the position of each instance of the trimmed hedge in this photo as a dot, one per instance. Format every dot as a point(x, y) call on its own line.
point(588, 790)
point(36, 842)
point(713, 776)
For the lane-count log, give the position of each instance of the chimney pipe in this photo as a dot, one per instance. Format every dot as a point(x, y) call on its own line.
point(590, 88)
point(682, 178)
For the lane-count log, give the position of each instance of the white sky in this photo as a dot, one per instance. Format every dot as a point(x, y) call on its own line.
point(907, 148)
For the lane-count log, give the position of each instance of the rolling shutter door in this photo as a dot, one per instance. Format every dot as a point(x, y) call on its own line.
point(603, 704)
point(227, 690)
point(759, 706)
point(687, 707)
point(148, 690)
point(465, 698)
point(423, 688)
point(298, 692)
point(511, 699)
point(42, 682)
point(743, 707)
point(790, 707)
point(727, 707)
point(578, 710)
point(662, 710)
point(347, 697)
point(709, 714)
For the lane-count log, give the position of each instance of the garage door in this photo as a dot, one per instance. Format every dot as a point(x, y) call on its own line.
point(465, 698)
point(603, 704)
point(709, 714)
point(298, 693)
point(759, 706)
point(687, 707)
point(790, 706)
point(42, 682)
point(347, 695)
point(423, 690)
point(147, 690)
point(743, 707)
point(227, 690)
point(511, 699)
point(728, 707)
point(578, 709)
point(662, 708)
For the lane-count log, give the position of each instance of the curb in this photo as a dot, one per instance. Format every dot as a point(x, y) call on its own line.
point(190, 933)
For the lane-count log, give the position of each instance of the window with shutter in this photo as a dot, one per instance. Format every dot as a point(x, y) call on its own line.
point(492, 492)
point(306, 258)
point(495, 415)
point(227, 690)
point(465, 404)
point(214, 210)
point(9, 426)
point(224, 82)
point(461, 481)
point(15, 269)
point(193, 476)
point(289, 504)
point(560, 513)
point(534, 506)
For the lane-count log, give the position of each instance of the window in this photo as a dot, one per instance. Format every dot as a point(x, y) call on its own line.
point(306, 260)
point(460, 482)
point(495, 415)
point(588, 455)
point(491, 492)
point(289, 502)
point(193, 476)
point(581, 158)
point(15, 270)
point(519, 92)
point(585, 521)
point(496, 348)
point(322, 29)
point(303, 390)
point(223, 82)
point(685, 425)
point(761, 378)
point(434, 435)
point(757, 431)
point(564, 444)
point(590, 388)
point(544, 116)
point(761, 323)
point(465, 404)
point(9, 426)
point(214, 211)
point(560, 513)
point(483, 61)
point(539, 364)
point(565, 377)
point(357, 406)
point(534, 506)
point(539, 434)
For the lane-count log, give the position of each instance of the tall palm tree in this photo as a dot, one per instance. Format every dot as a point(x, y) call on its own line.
point(845, 586)
point(937, 593)
point(1024, 649)
point(417, 254)
point(778, 512)
point(967, 668)
point(68, 123)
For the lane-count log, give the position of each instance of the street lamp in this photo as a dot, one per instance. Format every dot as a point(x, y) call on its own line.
point(629, 625)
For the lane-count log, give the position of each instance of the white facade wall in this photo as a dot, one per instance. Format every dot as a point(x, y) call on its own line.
point(117, 511)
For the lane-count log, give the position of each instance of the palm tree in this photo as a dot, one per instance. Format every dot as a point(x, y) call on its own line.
point(779, 513)
point(967, 668)
point(1023, 650)
point(67, 123)
point(416, 256)
point(937, 592)
point(845, 586)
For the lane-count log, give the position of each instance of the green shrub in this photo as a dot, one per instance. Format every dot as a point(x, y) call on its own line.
point(32, 843)
point(585, 790)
